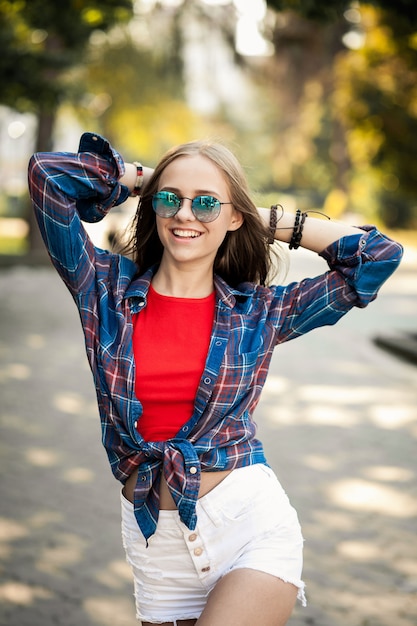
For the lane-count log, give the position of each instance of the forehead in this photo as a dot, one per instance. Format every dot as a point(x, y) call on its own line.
point(196, 171)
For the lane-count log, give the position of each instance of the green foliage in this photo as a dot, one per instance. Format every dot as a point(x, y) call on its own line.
point(146, 108)
point(356, 152)
point(144, 111)
point(330, 124)
point(42, 39)
point(375, 99)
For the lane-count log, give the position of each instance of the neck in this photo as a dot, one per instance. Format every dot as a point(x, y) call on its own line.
point(170, 281)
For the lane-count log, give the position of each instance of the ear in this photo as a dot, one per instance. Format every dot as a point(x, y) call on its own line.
point(236, 220)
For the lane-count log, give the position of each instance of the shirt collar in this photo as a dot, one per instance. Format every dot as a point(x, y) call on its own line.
point(139, 287)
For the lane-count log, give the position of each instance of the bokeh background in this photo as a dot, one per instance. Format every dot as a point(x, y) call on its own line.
point(318, 99)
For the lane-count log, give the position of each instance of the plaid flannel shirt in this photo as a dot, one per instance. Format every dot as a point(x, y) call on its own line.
point(249, 322)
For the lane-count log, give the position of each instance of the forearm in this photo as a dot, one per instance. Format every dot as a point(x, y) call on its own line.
point(318, 232)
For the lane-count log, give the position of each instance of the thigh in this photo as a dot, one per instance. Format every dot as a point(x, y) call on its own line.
point(247, 597)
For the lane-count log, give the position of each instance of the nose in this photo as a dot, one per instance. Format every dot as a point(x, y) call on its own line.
point(185, 213)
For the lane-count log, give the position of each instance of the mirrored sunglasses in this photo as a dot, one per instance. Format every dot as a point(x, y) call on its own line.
point(204, 208)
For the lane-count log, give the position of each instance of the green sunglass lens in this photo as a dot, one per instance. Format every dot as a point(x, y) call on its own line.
point(206, 208)
point(165, 203)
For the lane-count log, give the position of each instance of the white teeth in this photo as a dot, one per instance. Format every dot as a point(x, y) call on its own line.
point(185, 233)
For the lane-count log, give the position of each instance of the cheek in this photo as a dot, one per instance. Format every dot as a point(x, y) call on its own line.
point(219, 236)
point(159, 227)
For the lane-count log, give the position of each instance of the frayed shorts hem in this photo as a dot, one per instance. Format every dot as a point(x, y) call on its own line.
point(245, 522)
point(299, 584)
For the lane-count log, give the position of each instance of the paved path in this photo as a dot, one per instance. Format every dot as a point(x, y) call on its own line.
point(339, 419)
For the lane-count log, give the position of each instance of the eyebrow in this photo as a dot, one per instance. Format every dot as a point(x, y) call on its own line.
point(197, 192)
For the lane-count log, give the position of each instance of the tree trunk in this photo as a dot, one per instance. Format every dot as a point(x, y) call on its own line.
point(44, 143)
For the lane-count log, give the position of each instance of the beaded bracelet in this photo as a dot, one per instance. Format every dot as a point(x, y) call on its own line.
point(139, 180)
point(297, 232)
point(293, 239)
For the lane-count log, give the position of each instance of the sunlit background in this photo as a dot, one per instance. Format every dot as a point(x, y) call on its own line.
point(319, 101)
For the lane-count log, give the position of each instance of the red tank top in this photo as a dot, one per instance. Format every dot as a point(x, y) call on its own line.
point(171, 338)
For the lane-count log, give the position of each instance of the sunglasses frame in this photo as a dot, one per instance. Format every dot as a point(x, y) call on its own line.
point(211, 212)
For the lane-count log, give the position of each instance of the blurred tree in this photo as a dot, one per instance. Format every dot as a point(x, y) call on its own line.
point(151, 78)
point(352, 69)
point(375, 98)
point(306, 141)
point(41, 40)
point(145, 98)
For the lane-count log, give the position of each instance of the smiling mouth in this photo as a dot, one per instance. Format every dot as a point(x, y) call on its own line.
point(186, 234)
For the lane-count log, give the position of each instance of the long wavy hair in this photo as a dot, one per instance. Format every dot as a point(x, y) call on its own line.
point(244, 255)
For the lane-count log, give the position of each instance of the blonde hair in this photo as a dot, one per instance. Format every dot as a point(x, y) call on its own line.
point(244, 254)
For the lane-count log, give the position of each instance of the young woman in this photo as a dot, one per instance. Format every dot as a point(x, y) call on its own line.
point(179, 340)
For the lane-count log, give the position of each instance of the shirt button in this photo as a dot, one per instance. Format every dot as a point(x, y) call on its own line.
point(193, 470)
point(205, 569)
point(143, 478)
point(141, 303)
point(192, 537)
point(135, 424)
point(198, 551)
point(207, 380)
point(218, 343)
point(185, 429)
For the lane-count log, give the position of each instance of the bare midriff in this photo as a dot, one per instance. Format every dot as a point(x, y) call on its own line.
point(209, 480)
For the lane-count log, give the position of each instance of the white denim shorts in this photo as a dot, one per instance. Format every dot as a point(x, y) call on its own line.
point(246, 521)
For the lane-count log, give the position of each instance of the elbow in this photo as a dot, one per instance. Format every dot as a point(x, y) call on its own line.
point(39, 171)
point(35, 169)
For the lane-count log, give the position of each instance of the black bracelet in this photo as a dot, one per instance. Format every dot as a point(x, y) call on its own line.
point(293, 240)
point(297, 232)
point(299, 221)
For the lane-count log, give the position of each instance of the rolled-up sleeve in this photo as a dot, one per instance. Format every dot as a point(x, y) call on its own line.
point(359, 265)
point(95, 201)
point(66, 188)
point(365, 262)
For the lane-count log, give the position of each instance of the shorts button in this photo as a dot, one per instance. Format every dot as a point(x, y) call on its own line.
point(205, 569)
point(192, 537)
point(193, 470)
point(198, 551)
